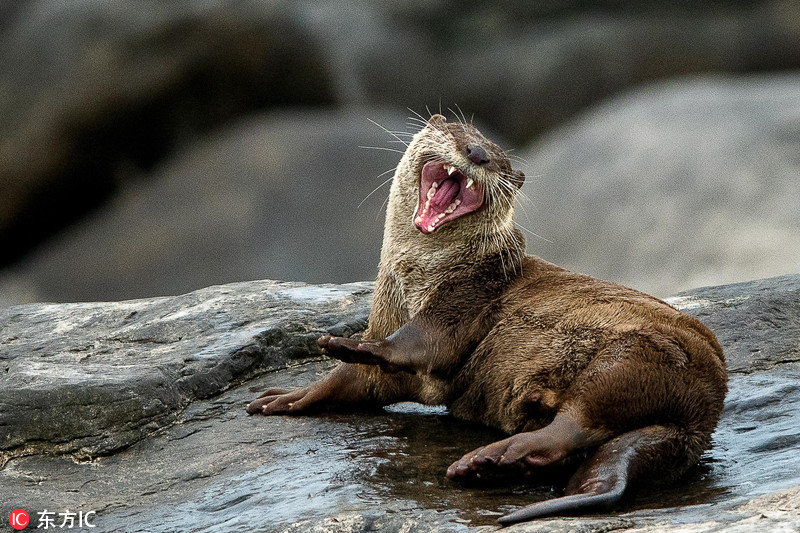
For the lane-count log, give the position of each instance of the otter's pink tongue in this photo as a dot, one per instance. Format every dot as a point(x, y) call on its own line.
point(444, 195)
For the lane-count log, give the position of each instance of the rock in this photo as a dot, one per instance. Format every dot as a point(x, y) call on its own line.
point(527, 66)
point(685, 183)
point(94, 92)
point(90, 379)
point(278, 196)
point(769, 307)
point(202, 464)
point(548, 66)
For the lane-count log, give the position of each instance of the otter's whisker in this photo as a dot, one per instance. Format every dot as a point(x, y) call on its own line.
point(463, 118)
point(384, 148)
point(388, 131)
point(459, 118)
point(379, 186)
point(516, 158)
point(383, 206)
point(419, 118)
point(523, 228)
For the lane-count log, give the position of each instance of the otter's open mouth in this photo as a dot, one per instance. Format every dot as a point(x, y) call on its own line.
point(445, 194)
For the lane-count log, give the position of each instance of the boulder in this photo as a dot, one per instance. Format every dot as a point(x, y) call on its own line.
point(135, 410)
point(681, 184)
point(88, 379)
point(524, 67)
point(94, 93)
point(548, 64)
point(675, 185)
point(281, 195)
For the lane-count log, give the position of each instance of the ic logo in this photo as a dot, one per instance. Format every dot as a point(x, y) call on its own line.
point(18, 519)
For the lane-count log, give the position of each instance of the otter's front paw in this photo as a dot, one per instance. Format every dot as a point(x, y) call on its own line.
point(279, 401)
point(363, 352)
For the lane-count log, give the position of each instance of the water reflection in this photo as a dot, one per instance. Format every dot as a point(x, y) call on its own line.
point(404, 453)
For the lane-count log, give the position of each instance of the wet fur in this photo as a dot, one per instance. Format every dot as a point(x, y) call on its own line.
point(562, 362)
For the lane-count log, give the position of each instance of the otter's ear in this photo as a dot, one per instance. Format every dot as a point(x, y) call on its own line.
point(437, 120)
point(518, 179)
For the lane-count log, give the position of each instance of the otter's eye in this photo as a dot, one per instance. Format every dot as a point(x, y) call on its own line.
point(477, 154)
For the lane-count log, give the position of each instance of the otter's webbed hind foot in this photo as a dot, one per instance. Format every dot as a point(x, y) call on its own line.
point(523, 451)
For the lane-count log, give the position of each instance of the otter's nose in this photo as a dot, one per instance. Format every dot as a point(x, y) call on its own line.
point(477, 154)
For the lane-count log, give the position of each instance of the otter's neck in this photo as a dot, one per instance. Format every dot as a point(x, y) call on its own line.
point(420, 263)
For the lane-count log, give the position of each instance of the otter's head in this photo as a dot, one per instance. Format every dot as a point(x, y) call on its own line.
point(458, 177)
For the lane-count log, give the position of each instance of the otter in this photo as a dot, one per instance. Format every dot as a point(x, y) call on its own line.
point(571, 367)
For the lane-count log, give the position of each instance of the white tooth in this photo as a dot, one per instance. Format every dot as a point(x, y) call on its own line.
point(469, 183)
point(457, 202)
point(432, 190)
point(450, 208)
point(451, 170)
point(431, 227)
point(418, 220)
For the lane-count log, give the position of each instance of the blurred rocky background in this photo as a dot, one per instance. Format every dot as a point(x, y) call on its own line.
point(152, 148)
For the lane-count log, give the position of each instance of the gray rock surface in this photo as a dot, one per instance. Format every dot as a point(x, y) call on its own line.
point(90, 379)
point(770, 309)
point(189, 364)
point(685, 183)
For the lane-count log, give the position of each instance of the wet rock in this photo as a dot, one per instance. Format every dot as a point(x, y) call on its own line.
point(90, 379)
point(769, 307)
point(686, 183)
point(211, 467)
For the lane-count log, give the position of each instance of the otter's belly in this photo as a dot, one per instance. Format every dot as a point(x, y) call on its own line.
point(520, 374)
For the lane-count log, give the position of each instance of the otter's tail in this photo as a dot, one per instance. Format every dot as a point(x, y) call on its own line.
point(602, 479)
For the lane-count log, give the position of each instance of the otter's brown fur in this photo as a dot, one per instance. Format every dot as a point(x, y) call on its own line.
point(563, 362)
